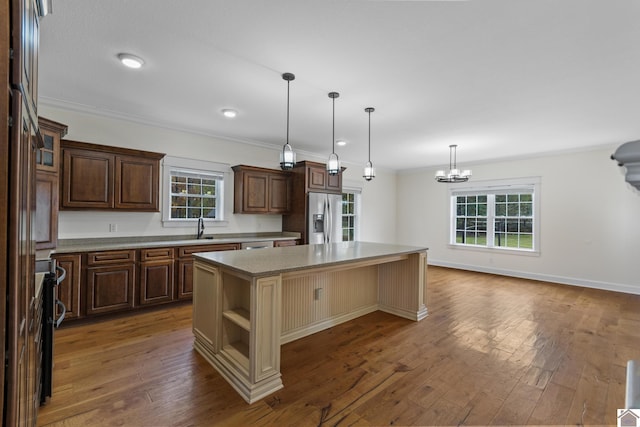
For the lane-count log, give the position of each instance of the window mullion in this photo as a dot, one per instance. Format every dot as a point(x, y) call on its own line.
point(491, 217)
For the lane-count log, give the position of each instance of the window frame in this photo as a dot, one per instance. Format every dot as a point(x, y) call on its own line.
point(357, 194)
point(211, 170)
point(527, 185)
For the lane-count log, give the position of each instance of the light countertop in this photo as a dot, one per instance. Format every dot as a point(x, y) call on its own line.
point(117, 243)
point(271, 261)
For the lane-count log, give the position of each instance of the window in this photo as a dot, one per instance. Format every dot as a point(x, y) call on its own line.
point(350, 213)
point(192, 189)
point(194, 195)
point(496, 215)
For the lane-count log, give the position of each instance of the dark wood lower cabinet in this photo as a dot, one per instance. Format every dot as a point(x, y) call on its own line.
point(185, 265)
point(110, 288)
point(69, 289)
point(105, 282)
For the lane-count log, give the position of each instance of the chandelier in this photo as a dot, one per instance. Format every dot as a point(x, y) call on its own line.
point(454, 174)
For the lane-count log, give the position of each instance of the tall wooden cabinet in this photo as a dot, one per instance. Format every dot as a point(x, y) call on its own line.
point(47, 179)
point(308, 177)
point(99, 177)
point(19, 40)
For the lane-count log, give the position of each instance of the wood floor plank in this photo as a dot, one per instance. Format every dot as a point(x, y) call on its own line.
point(493, 350)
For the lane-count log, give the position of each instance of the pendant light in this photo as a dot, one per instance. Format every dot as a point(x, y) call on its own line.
point(454, 175)
point(287, 156)
point(333, 165)
point(369, 171)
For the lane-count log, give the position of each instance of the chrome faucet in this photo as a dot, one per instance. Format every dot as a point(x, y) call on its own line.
point(200, 227)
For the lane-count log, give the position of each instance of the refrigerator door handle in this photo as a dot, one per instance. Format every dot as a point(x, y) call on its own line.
point(327, 223)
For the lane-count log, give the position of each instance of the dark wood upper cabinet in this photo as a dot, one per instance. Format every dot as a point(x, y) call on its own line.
point(261, 191)
point(47, 183)
point(48, 156)
point(318, 179)
point(101, 177)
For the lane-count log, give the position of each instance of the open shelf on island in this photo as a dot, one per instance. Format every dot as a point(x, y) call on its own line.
point(240, 317)
point(238, 351)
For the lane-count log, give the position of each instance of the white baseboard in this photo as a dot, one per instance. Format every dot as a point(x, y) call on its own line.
point(616, 287)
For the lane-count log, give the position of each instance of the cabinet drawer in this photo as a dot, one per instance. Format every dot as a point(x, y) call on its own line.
point(110, 257)
point(188, 250)
point(156, 254)
point(282, 243)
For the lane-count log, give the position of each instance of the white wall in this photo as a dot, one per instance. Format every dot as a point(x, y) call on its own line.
point(590, 221)
point(121, 133)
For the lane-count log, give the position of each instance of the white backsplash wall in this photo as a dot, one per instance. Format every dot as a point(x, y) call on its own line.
point(378, 219)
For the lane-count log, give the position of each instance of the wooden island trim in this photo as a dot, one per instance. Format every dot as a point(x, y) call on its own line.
point(240, 319)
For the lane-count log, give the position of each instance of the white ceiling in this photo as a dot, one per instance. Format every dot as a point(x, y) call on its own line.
point(500, 78)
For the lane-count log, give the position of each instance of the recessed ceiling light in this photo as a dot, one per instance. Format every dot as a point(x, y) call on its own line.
point(229, 113)
point(130, 61)
point(341, 143)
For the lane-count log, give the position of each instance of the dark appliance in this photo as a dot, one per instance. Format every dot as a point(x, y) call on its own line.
point(52, 279)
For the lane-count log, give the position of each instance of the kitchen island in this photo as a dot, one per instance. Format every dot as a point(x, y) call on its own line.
point(247, 303)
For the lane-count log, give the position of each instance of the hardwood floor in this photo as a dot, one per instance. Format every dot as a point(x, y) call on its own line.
point(494, 350)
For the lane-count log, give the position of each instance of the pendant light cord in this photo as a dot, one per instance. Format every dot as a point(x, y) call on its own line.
point(288, 82)
point(369, 136)
point(333, 139)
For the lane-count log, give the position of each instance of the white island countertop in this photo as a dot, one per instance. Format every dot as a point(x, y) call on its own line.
point(271, 261)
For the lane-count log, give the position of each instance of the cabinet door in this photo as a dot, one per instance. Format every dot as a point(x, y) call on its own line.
point(110, 288)
point(255, 191)
point(48, 156)
point(136, 183)
point(68, 291)
point(26, 33)
point(87, 179)
point(46, 219)
point(334, 183)
point(185, 278)
point(279, 194)
point(316, 178)
point(156, 282)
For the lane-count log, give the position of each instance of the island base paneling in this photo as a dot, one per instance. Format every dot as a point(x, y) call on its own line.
point(398, 293)
point(319, 299)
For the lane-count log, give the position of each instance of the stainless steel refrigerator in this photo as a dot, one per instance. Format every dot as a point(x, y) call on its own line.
point(324, 221)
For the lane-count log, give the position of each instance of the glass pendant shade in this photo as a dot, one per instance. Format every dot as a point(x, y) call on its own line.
point(333, 164)
point(287, 155)
point(369, 171)
point(454, 174)
point(287, 158)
